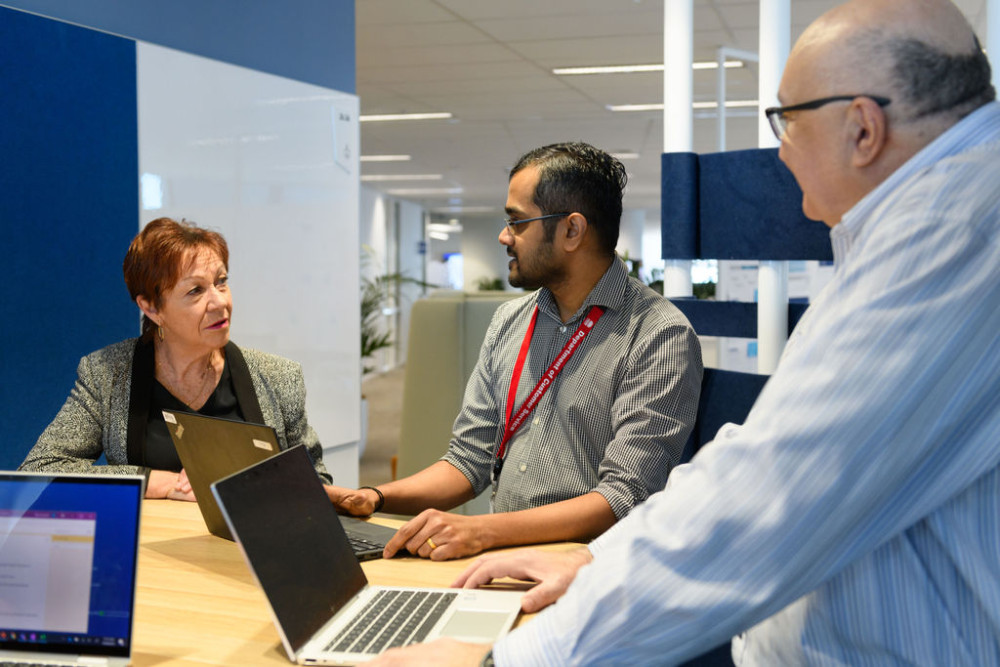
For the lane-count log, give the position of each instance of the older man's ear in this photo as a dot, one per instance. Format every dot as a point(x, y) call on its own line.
point(867, 130)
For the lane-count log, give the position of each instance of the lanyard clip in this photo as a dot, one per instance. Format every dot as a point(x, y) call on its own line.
point(497, 469)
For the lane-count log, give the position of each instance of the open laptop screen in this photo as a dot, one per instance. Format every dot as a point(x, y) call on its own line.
point(310, 571)
point(68, 550)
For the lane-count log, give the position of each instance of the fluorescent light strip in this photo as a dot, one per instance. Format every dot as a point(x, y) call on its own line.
point(625, 156)
point(386, 158)
point(371, 118)
point(466, 209)
point(629, 69)
point(413, 192)
point(731, 104)
point(450, 228)
point(378, 178)
point(440, 236)
point(635, 107)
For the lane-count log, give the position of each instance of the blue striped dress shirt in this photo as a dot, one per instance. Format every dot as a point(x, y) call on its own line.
point(854, 519)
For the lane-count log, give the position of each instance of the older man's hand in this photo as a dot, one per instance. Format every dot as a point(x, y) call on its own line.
point(441, 652)
point(554, 572)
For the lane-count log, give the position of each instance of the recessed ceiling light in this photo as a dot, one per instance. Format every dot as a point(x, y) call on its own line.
point(401, 177)
point(466, 209)
point(386, 158)
point(731, 104)
point(635, 107)
point(629, 69)
point(414, 192)
point(450, 228)
point(370, 118)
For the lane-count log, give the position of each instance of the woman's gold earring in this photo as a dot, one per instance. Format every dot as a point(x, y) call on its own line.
point(159, 333)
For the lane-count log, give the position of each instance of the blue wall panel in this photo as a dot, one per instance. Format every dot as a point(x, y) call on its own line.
point(306, 40)
point(68, 209)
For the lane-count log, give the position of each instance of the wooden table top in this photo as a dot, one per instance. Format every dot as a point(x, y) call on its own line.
point(198, 604)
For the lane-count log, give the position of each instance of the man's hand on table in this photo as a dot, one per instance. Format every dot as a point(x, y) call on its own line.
point(439, 536)
point(356, 502)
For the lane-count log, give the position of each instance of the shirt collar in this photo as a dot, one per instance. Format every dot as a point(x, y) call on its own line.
point(970, 131)
point(609, 292)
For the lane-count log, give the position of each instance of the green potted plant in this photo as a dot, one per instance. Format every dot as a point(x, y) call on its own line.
point(379, 297)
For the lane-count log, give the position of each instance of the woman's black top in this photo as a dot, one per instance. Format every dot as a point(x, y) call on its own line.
point(158, 450)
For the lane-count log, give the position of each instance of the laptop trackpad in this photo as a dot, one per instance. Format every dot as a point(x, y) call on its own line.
point(475, 625)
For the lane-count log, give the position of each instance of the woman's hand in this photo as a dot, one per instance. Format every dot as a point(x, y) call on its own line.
point(356, 502)
point(169, 485)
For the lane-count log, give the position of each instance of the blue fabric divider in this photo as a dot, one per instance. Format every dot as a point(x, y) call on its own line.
point(679, 205)
point(720, 318)
point(68, 209)
point(726, 396)
point(730, 318)
point(749, 207)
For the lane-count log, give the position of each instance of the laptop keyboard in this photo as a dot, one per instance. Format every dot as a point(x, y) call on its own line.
point(392, 618)
point(361, 545)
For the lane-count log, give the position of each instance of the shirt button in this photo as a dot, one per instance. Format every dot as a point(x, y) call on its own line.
point(535, 420)
point(562, 329)
point(523, 467)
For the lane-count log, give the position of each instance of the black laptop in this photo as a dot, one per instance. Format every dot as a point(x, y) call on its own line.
point(212, 448)
point(323, 606)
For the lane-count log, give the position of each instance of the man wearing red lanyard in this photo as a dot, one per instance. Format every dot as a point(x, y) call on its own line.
point(585, 390)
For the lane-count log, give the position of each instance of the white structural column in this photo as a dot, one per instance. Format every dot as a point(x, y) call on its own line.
point(993, 38)
point(772, 281)
point(678, 81)
point(630, 233)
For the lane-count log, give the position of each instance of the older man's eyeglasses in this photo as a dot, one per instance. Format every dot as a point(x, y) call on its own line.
point(510, 223)
point(779, 122)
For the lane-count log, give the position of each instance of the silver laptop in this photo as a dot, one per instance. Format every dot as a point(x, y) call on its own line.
point(212, 448)
point(69, 545)
point(323, 608)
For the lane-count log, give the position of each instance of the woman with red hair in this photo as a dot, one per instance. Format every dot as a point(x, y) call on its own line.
point(178, 275)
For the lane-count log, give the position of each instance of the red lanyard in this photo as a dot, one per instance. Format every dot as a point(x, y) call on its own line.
point(514, 422)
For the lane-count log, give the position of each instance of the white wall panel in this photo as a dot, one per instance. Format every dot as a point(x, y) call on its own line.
point(271, 163)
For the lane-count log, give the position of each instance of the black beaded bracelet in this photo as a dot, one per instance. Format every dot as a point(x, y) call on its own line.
point(381, 498)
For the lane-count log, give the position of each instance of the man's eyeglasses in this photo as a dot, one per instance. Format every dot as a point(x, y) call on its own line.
point(510, 223)
point(779, 123)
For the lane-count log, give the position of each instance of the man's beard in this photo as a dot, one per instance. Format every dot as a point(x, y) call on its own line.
point(541, 271)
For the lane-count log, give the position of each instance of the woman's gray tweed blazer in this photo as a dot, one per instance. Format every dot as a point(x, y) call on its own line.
point(106, 410)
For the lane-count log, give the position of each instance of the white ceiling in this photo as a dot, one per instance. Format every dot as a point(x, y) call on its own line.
point(489, 63)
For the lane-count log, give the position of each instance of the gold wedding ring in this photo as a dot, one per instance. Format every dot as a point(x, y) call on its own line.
point(431, 542)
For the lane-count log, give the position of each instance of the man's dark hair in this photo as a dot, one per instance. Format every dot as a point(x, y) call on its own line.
point(576, 177)
point(930, 82)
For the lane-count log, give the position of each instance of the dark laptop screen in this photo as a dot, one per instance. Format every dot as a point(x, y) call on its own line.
point(68, 549)
point(293, 541)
